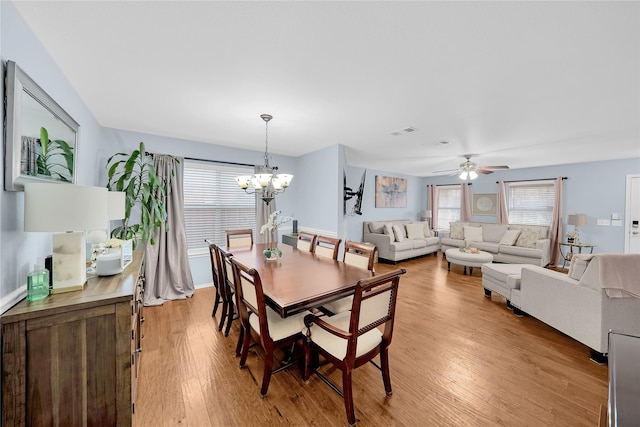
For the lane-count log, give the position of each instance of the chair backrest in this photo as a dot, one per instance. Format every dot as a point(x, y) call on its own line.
point(250, 296)
point(239, 238)
point(359, 254)
point(306, 241)
point(374, 304)
point(215, 270)
point(327, 247)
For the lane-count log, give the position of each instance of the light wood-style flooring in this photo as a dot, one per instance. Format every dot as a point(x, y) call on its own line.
point(457, 358)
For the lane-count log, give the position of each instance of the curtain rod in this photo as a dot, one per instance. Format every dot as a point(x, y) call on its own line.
point(448, 185)
point(527, 180)
point(147, 153)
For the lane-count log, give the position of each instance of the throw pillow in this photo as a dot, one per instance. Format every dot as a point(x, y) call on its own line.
point(415, 231)
point(456, 230)
point(388, 229)
point(473, 234)
point(509, 237)
point(528, 238)
point(578, 266)
point(376, 228)
point(398, 232)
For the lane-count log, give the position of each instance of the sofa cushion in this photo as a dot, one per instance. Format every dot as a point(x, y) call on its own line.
point(426, 229)
point(388, 229)
point(520, 251)
point(405, 245)
point(509, 237)
point(472, 234)
point(578, 265)
point(376, 227)
point(447, 241)
point(414, 231)
point(430, 241)
point(419, 243)
point(487, 246)
point(398, 232)
point(456, 230)
point(493, 232)
point(528, 238)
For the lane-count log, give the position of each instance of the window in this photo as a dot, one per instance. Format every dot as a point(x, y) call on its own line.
point(449, 201)
point(531, 202)
point(213, 203)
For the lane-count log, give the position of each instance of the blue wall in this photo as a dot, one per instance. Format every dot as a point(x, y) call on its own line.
point(314, 198)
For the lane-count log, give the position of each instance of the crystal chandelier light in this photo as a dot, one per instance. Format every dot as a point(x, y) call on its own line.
point(264, 182)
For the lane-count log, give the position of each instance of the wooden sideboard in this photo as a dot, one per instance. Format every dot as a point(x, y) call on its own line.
point(72, 358)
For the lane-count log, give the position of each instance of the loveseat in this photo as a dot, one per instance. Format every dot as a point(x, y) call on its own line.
point(398, 240)
point(508, 243)
point(589, 301)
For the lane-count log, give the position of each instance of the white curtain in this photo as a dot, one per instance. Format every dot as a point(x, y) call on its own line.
point(167, 271)
point(262, 216)
point(432, 200)
point(503, 212)
point(465, 202)
point(555, 232)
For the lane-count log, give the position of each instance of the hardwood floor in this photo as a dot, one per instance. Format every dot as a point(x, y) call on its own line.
point(457, 358)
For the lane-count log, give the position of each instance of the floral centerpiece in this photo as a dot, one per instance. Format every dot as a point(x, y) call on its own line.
point(271, 227)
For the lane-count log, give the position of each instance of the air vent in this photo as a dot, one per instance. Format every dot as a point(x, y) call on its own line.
point(403, 131)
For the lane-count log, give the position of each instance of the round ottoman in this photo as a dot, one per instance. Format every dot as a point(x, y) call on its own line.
point(467, 259)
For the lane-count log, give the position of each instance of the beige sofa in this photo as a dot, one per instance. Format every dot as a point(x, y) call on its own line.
point(508, 243)
point(581, 304)
point(398, 240)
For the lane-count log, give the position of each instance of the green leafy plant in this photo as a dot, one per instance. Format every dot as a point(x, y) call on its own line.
point(52, 151)
point(135, 175)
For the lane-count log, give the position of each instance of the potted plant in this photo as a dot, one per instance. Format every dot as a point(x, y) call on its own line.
point(135, 175)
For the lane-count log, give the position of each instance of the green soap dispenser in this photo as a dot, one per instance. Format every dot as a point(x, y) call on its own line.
point(38, 282)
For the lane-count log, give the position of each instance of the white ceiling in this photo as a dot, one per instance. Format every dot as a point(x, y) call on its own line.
point(517, 83)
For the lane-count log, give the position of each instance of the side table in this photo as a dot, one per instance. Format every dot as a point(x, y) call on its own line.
point(568, 254)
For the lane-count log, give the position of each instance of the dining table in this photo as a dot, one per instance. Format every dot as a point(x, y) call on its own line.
point(299, 280)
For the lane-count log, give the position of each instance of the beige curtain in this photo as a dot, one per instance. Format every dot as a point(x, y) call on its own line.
point(503, 212)
point(555, 232)
point(432, 203)
point(465, 202)
point(167, 271)
point(262, 216)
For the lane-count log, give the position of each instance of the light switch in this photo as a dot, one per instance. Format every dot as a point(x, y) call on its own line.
point(603, 221)
point(616, 223)
point(615, 215)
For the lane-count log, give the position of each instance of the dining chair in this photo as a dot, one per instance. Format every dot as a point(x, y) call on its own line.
point(263, 323)
point(306, 241)
point(357, 254)
point(215, 273)
point(350, 339)
point(327, 247)
point(229, 291)
point(239, 238)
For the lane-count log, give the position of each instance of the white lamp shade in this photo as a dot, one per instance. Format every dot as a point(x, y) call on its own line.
point(116, 205)
point(64, 207)
point(577, 219)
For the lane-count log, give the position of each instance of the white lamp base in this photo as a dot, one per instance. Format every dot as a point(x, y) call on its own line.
point(69, 262)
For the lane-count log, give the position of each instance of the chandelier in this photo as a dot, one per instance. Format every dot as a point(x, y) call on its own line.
point(264, 183)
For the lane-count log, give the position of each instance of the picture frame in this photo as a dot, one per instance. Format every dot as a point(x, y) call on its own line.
point(32, 117)
point(391, 192)
point(484, 204)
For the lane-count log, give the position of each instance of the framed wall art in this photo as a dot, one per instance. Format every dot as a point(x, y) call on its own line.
point(391, 192)
point(484, 204)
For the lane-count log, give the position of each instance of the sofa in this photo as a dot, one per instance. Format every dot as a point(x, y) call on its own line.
point(596, 296)
point(508, 243)
point(398, 240)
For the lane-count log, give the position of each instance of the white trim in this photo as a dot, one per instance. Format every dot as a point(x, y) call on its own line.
point(13, 298)
point(204, 285)
point(627, 213)
point(319, 232)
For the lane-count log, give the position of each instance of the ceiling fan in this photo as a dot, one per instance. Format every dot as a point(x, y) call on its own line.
point(470, 170)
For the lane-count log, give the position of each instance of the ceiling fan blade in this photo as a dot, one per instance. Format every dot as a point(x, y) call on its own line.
point(483, 171)
point(495, 167)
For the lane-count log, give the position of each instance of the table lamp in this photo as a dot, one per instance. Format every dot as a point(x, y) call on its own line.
point(67, 210)
point(577, 220)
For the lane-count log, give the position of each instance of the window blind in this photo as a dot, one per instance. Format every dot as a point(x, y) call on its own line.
point(213, 203)
point(449, 201)
point(531, 202)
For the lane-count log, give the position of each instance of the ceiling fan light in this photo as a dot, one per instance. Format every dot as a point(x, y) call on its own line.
point(473, 175)
point(464, 175)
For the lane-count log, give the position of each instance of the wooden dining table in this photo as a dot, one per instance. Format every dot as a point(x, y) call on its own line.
point(299, 280)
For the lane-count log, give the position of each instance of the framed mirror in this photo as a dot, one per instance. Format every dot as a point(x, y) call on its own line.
point(41, 143)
